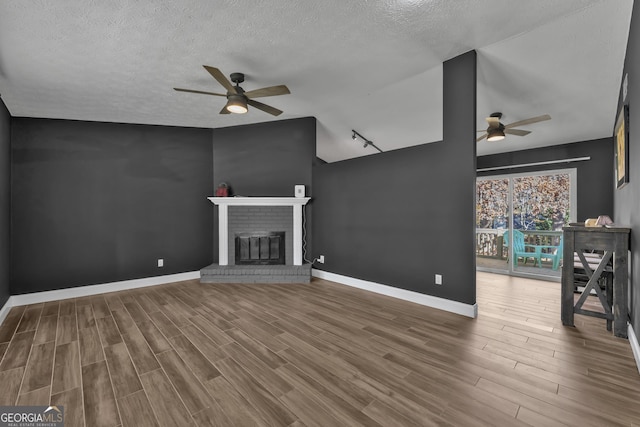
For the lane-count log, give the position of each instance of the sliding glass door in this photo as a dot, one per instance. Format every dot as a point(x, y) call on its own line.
point(519, 220)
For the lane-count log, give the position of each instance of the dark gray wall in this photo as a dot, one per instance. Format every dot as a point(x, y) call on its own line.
point(627, 199)
point(400, 217)
point(101, 202)
point(5, 204)
point(595, 192)
point(266, 159)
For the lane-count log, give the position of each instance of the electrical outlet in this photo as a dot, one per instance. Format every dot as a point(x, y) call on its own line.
point(321, 259)
point(438, 279)
point(160, 262)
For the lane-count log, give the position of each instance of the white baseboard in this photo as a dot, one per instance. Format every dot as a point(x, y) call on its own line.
point(635, 346)
point(82, 291)
point(469, 310)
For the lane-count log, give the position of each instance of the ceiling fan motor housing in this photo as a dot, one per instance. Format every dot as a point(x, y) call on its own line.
point(237, 77)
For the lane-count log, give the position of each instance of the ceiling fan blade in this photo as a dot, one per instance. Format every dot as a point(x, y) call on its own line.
point(198, 91)
point(264, 107)
point(518, 132)
point(494, 122)
point(268, 91)
point(480, 138)
point(221, 78)
point(529, 121)
point(224, 110)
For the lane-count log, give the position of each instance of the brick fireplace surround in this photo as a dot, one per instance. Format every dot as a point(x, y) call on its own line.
point(258, 214)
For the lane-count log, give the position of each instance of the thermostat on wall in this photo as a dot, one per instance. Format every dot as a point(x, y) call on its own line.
point(299, 190)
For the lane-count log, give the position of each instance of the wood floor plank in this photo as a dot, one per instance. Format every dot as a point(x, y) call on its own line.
point(342, 409)
point(167, 405)
point(85, 315)
point(51, 308)
point(271, 410)
point(18, 351)
point(136, 410)
point(3, 349)
point(30, 319)
point(212, 331)
point(124, 322)
point(100, 307)
point(136, 312)
point(10, 323)
point(109, 333)
point(269, 378)
point(211, 351)
point(312, 412)
point(262, 352)
point(114, 302)
point(236, 408)
point(39, 397)
point(193, 394)
point(67, 307)
point(39, 368)
point(90, 346)
point(154, 337)
point(100, 407)
point(189, 353)
point(165, 325)
point(212, 416)
point(67, 329)
point(11, 380)
point(142, 356)
point(66, 371)
point(71, 400)
point(123, 374)
point(47, 329)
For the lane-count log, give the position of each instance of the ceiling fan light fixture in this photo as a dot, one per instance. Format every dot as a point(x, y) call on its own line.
point(237, 104)
point(495, 135)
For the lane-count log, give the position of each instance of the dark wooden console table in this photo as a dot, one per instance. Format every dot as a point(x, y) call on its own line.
point(614, 243)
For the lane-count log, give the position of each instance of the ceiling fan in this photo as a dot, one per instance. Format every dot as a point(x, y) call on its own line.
point(496, 130)
point(237, 98)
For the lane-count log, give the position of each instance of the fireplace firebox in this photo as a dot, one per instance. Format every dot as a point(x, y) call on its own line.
point(260, 248)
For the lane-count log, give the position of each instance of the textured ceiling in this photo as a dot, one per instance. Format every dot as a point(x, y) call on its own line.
point(370, 65)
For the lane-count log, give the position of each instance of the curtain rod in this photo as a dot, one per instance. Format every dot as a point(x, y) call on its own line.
point(524, 165)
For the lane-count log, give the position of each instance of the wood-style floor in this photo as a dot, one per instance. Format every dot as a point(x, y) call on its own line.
point(322, 354)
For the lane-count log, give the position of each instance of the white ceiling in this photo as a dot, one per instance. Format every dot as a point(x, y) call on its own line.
point(370, 65)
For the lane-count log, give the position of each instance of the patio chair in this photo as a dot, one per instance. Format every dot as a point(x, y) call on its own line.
point(555, 256)
point(520, 250)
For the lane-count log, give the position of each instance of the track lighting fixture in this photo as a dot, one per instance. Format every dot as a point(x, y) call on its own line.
point(366, 143)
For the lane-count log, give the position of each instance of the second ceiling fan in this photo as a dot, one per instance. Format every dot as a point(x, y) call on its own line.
point(496, 130)
point(237, 98)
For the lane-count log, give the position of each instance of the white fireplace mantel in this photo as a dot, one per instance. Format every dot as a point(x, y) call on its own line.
point(223, 220)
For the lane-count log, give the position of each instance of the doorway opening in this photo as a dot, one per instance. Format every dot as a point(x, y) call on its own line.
point(519, 220)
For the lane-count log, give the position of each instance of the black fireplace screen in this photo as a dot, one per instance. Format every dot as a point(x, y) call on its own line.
point(260, 248)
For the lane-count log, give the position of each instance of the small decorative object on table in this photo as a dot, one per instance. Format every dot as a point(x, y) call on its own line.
point(604, 220)
point(223, 190)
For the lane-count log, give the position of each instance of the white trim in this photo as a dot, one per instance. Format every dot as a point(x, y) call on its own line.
point(82, 291)
point(259, 201)
point(469, 310)
point(635, 346)
point(524, 165)
point(223, 235)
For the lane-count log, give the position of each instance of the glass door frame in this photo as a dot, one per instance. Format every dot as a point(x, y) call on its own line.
point(573, 207)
